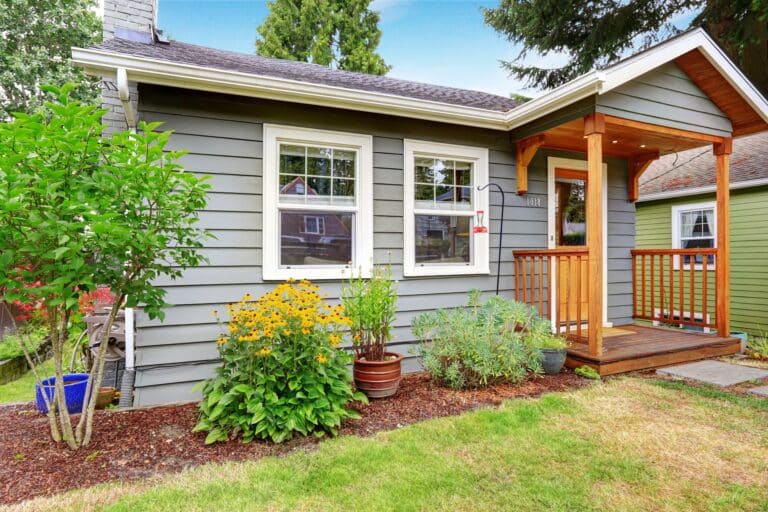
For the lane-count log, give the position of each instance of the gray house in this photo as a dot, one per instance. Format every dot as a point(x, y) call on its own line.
point(313, 168)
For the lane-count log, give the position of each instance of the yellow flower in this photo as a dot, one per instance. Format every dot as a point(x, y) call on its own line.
point(305, 331)
point(287, 332)
point(222, 340)
point(321, 358)
point(264, 352)
point(335, 339)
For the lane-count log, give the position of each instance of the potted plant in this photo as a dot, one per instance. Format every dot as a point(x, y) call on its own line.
point(371, 305)
point(553, 350)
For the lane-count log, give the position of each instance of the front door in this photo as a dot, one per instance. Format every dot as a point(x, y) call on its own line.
point(570, 231)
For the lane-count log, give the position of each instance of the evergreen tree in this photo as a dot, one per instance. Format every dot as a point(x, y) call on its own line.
point(597, 33)
point(36, 37)
point(343, 34)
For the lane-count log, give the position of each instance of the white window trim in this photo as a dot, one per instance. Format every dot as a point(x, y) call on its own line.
point(362, 236)
point(480, 241)
point(676, 242)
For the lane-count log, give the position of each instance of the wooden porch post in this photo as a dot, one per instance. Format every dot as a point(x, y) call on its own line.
point(722, 152)
point(594, 128)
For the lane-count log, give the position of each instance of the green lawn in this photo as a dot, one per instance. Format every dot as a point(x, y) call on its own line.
point(627, 444)
point(23, 388)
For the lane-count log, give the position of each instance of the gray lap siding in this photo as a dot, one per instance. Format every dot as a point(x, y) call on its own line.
point(223, 136)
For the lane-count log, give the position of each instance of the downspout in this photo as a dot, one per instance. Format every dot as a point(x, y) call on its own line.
point(129, 374)
point(124, 93)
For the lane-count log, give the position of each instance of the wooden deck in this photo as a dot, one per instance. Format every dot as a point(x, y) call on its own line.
point(634, 347)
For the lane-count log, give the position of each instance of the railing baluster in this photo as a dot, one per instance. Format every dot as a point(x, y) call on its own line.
point(681, 271)
point(691, 290)
point(705, 289)
point(642, 266)
point(653, 287)
point(579, 266)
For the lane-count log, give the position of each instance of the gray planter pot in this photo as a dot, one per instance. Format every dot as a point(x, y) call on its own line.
point(552, 360)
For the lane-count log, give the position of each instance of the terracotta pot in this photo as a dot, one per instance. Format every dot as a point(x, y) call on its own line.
point(378, 379)
point(105, 397)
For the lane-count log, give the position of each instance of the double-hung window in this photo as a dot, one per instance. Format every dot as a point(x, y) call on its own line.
point(318, 203)
point(694, 226)
point(443, 234)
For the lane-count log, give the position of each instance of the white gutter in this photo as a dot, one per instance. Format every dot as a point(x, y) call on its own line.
point(124, 94)
point(736, 185)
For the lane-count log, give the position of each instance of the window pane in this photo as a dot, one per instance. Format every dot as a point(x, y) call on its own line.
point(319, 186)
point(292, 159)
point(319, 161)
point(423, 170)
point(464, 197)
point(443, 239)
point(292, 185)
point(315, 238)
point(463, 173)
point(343, 163)
point(425, 193)
point(443, 171)
point(343, 187)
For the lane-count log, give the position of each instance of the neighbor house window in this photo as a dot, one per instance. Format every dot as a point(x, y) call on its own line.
point(442, 206)
point(694, 226)
point(318, 203)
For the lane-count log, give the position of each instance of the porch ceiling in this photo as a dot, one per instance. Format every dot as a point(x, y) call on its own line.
point(624, 138)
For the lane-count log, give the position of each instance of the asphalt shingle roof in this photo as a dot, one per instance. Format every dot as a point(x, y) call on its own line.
point(185, 53)
point(697, 167)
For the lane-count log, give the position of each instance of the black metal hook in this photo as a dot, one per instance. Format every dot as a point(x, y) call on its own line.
point(480, 188)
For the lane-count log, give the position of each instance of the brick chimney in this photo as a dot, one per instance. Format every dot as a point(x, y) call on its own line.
point(127, 19)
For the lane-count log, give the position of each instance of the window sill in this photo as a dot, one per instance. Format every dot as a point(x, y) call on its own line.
point(437, 271)
point(312, 273)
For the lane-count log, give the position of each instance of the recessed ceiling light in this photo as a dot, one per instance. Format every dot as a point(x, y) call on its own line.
point(614, 142)
point(642, 145)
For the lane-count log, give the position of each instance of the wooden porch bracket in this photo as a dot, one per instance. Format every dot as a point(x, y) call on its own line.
point(594, 128)
point(637, 166)
point(526, 150)
point(722, 151)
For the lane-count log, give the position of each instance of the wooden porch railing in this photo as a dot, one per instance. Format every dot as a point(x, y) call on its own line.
point(534, 272)
point(675, 286)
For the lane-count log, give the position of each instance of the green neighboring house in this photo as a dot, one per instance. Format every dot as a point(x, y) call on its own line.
point(676, 209)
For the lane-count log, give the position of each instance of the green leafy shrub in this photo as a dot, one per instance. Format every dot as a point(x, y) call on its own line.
point(757, 346)
point(371, 305)
point(480, 344)
point(587, 372)
point(10, 346)
point(283, 372)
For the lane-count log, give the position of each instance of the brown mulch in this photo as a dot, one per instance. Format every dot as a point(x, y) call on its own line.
point(140, 443)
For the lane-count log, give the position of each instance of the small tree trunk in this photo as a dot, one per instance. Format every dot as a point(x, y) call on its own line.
point(85, 426)
point(58, 338)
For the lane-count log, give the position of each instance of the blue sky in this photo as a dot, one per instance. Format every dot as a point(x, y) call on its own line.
point(441, 42)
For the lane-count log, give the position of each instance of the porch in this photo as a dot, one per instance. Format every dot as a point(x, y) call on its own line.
point(688, 286)
point(635, 347)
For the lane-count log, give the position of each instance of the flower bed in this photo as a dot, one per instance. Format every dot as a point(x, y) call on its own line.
point(143, 443)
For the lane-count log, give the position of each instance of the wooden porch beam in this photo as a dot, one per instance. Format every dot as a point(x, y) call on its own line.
point(662, 130)
point(594, 128)
point(722, 153)
point(526, 150)
point(637, 166)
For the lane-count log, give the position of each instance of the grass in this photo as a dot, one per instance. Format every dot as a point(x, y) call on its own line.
point(626, 444)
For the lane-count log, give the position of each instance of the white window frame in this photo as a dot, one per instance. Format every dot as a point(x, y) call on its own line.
point(677, 210)
point(362, 233)
point(480, 241)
